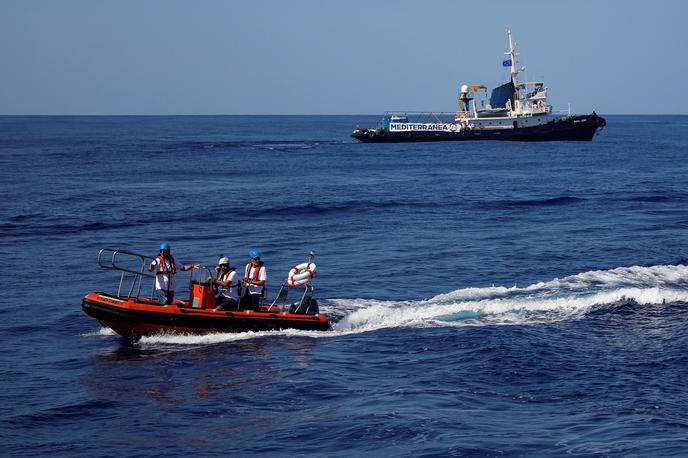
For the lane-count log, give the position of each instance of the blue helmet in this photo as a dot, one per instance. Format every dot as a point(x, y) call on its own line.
point(254, 254)
point(165, 246)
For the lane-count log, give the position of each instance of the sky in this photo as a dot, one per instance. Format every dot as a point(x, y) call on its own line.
point(334, 57)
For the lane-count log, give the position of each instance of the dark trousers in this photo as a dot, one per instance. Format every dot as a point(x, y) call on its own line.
point(226, 303)
point(255, 301)
point(165, 297)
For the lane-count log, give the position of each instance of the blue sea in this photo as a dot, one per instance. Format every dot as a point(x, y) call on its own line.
point(488, 298)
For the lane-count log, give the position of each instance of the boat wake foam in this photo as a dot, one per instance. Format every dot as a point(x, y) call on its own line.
point(559, 299)
point(102, 332)
point(221, 337)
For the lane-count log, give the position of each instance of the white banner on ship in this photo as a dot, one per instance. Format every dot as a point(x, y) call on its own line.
point(423, 127)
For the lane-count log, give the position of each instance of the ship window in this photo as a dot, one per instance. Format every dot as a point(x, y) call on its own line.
point(490, 122)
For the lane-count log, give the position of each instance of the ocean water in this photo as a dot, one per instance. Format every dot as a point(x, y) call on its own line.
point(488, 299)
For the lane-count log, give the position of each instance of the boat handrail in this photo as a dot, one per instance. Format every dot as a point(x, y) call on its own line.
point(306, 297)
point(112, 264)
point(424, 117)
point(199, 272)
point(283, 294)
point(416, 113)
point(113, 261)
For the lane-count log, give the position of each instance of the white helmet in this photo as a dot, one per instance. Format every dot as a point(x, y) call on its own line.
point(223, 260)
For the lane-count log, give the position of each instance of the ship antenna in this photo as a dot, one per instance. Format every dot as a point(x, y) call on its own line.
point(514, 70)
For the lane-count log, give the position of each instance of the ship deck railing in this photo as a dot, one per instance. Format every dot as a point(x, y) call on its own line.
point(447, 117)
point(427, 116)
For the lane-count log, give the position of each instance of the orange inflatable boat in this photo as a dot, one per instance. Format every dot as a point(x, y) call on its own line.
point(132, 315)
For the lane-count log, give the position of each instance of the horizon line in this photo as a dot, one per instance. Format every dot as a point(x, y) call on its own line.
point(286, 114)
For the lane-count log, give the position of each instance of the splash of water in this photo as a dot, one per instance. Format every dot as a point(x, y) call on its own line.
point(102, 332)
point(555, 300)
point(558, 299)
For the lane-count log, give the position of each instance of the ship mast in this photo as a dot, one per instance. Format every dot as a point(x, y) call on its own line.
point(514, 70)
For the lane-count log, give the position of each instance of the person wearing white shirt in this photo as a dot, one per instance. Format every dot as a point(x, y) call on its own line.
point(165, 269)
point(228, 280)
point(255, 278)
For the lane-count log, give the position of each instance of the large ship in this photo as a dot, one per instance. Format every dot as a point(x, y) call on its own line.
point(515, 111)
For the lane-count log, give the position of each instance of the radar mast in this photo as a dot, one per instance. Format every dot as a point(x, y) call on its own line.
point(514, 70)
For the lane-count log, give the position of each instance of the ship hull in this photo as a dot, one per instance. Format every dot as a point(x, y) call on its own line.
point(136, 317)
point(571, 128)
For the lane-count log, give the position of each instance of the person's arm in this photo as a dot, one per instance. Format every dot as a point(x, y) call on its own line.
point(224, 283)
point(263, 276)
point(189, 266)
point(152, 265)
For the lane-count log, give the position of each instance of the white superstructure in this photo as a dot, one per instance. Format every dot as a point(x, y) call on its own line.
point(525, 104)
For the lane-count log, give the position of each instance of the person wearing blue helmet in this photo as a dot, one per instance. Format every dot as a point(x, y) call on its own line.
point(165, 269)
point(255, 278)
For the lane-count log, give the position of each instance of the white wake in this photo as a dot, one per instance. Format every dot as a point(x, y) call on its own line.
point(555, 300)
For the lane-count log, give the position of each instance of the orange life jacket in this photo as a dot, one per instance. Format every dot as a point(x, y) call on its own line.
point(256, 275)
point(256, 271)
point(163, 266)
point(225, 276)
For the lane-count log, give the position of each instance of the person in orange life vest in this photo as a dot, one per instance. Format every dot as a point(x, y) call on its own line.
point(228, 280)
point(165, 269)
point(255, 278)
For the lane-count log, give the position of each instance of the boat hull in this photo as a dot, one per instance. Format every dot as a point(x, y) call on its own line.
point(136, 317)
point(572, 128)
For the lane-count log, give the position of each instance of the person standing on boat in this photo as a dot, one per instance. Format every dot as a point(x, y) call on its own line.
point(228, 280)
point(255, 278)
point(165, 269)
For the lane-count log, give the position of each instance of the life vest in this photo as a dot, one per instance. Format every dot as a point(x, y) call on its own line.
point(163, 266)
point(256, 271)
point(225, 277)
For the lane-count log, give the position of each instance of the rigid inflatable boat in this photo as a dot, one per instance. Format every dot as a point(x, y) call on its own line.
point(133, 315)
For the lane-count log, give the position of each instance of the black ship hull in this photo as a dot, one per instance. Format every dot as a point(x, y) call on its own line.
point(570, 128)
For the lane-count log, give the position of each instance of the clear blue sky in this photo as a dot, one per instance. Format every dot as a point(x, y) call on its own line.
point(333, 57)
